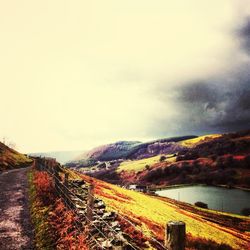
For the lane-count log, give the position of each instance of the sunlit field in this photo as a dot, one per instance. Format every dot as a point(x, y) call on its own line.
point(194, 141)
point(138, 165)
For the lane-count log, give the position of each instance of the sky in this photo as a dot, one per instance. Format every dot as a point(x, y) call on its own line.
point(77, 74)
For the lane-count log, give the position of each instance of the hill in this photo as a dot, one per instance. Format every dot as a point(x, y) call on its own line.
point(10, 158)
point(129, 150)
point(211, 159)
point(111, 151)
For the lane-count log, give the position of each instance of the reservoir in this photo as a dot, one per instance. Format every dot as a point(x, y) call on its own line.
point(217, 198)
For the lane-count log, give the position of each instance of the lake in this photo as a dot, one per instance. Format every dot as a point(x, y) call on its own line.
point(217, 198)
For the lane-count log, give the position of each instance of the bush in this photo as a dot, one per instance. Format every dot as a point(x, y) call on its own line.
point(44, 187)
point(201, 204)
point(163, 158)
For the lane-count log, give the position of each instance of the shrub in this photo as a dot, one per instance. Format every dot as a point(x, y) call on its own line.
point(201, 204)
point(44, 187)
point(163, 158)
point(63, 222)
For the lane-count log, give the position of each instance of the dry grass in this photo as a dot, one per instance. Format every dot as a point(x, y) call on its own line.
point(10, 158)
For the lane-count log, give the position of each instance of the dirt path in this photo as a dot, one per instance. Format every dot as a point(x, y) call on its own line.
point(16, 231)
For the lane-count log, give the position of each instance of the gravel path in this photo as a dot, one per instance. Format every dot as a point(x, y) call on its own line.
point(16, 231)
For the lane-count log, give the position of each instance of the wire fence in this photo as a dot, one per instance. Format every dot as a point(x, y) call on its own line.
point(66, 201)
point(67, 194)
point(143, 232)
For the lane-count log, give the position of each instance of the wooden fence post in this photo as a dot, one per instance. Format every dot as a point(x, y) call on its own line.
point(90, 202)
point(66, 179)
point(56, 179)
point(175, 236)
point(65, 194)
point(44, 164)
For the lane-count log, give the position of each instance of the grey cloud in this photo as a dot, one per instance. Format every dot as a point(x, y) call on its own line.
point(244, 34)
point(221, 104)
point(215, 104)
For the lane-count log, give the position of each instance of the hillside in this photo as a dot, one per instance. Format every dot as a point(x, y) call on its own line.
point(211, 159)
point(110, 151)
point(129, 150)
point(10, 158)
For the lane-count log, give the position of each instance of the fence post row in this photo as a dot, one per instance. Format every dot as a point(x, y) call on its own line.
point(175, 236)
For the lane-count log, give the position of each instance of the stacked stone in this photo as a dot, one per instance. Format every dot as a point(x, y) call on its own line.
point(80, 190)
point(104, 231)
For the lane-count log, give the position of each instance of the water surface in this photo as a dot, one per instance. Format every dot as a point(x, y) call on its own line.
point(218, 198)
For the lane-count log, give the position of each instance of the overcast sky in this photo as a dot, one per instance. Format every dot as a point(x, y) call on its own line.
point(76, 74)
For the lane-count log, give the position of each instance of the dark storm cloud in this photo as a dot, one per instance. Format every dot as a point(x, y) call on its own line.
point(221, 104)
point(224, 101)
point(244, 34)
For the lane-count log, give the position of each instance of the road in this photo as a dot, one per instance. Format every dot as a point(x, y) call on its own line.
point(16, 230)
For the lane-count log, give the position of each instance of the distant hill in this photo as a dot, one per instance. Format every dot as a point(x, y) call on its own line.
point(112, 151)
point(61, 156)
point(10, 158)
point(131, 150)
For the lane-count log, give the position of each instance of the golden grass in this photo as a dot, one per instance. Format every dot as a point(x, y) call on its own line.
point(139, 165)
point(194, 141)
point(10, 158)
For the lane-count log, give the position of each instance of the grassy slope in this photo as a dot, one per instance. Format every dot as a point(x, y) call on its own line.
point(10, 158)
point(138, 165)
point(195, 141)
point(151, 214)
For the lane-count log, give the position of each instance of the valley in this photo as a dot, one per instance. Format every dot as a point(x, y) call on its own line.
point(210, 159)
